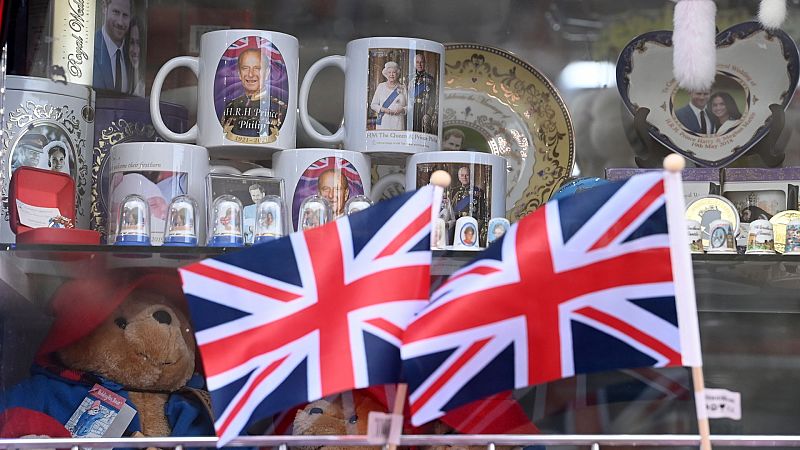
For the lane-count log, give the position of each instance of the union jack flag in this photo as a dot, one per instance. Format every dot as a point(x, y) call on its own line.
point(312, 314)
point(240, 45)
point(587, 283)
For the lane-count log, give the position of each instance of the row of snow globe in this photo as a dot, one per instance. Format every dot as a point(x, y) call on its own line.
point(231, 224)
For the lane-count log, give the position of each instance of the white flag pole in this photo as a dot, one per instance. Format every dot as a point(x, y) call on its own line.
point(440, 181)
point(684, 289)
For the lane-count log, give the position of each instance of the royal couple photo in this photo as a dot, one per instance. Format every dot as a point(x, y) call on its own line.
point(709, 113)
point(118, 44)
point(401, 101)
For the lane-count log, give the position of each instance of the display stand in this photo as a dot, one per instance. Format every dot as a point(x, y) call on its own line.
point(653, 152)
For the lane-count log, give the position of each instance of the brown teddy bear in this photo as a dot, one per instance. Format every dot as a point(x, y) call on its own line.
point(338, 414)
point(119, 337)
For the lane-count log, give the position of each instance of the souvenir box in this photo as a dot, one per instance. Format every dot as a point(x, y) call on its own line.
point(120, 120)
point(760, 193)
point(47, 125)
point(697, 182)
point(248, 189)
point(42, 208)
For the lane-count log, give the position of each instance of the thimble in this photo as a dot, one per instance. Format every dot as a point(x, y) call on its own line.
point(792, 246)
point(695, 236)
point(721, 237)
point(760, 238)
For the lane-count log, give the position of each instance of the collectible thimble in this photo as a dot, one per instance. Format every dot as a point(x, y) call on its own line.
point(760, 238)
point(721, 237)
point(792, 246)
point(695, 236)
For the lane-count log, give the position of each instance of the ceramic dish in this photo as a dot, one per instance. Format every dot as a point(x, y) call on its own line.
point(755, 69)
point(504, 106)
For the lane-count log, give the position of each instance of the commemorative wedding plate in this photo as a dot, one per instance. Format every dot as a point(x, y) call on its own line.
point(496, 103)
point(756, 68)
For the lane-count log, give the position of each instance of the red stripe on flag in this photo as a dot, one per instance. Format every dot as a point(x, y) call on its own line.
point(632, 214)
point(624, 327)
point(413, 228)
point(449, 373)
point(241, 282)
point(244, 398)
point(387, 326)
point(481, 270)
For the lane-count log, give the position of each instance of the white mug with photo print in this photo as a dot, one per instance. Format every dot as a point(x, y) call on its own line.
point(159, 172)
point(393, 96)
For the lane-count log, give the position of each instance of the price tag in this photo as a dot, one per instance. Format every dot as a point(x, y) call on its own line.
point(723, 404)
point(384, 428)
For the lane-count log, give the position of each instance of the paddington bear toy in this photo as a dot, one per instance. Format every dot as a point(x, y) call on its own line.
point(120, 355)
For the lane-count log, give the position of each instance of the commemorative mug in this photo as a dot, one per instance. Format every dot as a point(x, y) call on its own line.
point(335, 175)
point(246, 93)
point(158, 172)
point(721, 238)
point(477, 190)
point(392, 97)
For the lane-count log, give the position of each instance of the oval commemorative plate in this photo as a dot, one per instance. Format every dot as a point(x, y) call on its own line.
point(755, 69)
point(495, 102)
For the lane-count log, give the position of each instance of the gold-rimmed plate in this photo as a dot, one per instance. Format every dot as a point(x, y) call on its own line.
point(503, 105)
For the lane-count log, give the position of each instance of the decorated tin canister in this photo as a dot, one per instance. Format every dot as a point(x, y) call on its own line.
point(47, 124)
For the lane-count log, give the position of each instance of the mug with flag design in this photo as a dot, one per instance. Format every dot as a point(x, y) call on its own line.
point(246, 93)
point(335, 175)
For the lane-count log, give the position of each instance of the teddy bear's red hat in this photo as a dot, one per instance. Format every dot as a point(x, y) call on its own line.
point(81, 305)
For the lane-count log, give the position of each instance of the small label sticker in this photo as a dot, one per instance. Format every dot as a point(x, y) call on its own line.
point(723, 404)
point(35, 216)
point(384, 428)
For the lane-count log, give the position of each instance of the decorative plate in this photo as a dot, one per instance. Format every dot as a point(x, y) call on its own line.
point(755, 69)
point(502, 105)
point(710, 208)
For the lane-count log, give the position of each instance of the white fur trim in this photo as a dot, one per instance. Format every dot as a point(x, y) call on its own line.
point(694, 56)
point(772, 13)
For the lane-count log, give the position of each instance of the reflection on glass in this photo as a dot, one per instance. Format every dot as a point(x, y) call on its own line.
point(356, 204)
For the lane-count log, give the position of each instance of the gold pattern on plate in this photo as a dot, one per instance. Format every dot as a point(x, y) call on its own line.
point(537, 102)
point(779, 222)
point(718, 208)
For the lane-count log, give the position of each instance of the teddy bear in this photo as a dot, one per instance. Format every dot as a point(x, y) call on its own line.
point(339, 414)
point(117, 338)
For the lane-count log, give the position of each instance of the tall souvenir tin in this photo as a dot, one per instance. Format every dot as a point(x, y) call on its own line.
point(120, 120)
point(48, 125)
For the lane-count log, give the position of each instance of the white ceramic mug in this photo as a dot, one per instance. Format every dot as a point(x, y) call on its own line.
point(336, 175)
point(159, 172)
point(477, 189)
point(392, 97)
point(247, 93)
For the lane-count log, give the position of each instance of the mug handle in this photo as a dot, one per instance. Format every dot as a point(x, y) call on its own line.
point(155, 99)
point(334, 60)
point(381, 185)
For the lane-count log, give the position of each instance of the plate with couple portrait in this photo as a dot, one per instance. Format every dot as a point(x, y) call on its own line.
point(756, 68)
point(494, 102)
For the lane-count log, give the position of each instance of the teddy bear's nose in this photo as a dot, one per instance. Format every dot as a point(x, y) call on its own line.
point(162, 316)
